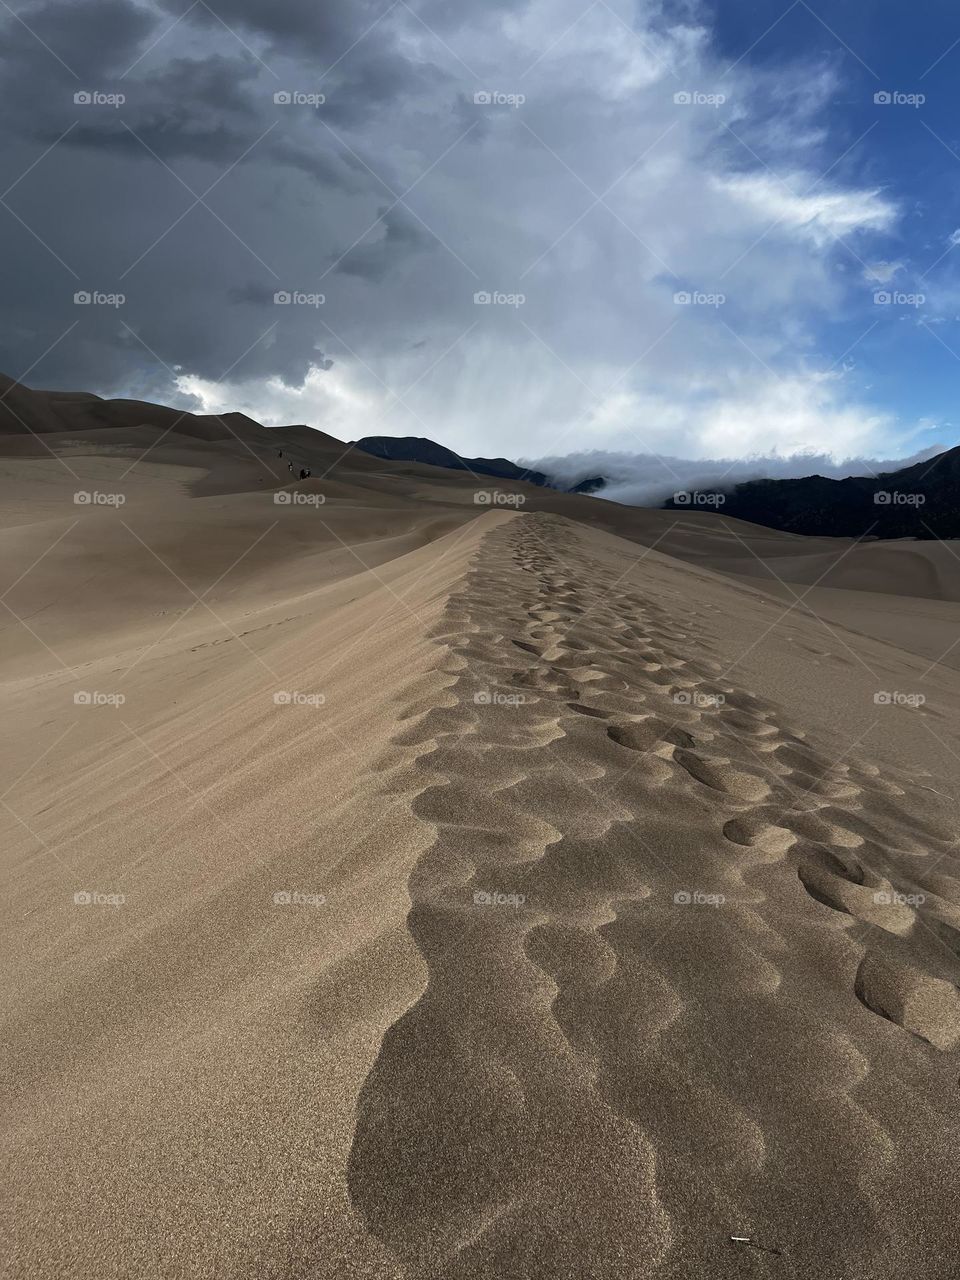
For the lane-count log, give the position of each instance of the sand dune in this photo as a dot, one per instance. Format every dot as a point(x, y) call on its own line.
point(401, 886)
point(657, 1030)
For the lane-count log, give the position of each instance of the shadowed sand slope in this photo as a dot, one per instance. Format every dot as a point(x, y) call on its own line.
point(691, 974)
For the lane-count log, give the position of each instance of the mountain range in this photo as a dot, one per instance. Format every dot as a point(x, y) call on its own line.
point(918, 501)
point(428, 452)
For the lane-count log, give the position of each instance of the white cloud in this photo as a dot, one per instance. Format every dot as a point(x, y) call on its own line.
point(787, 200)
point(326, 400)
point(882, 272)
point(638, 479)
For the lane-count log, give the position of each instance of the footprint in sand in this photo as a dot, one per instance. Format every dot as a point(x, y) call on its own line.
point(755, 831)
point(720, 776)
point(588, 711)
point(925, 1006)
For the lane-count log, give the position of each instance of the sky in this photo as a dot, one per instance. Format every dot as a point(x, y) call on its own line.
point(524, 229)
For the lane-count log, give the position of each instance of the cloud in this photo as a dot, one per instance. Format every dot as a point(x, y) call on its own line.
point(325, 395)
point(648, 479)
point(579, 183)
point(397, 236)
point(787, 201)
point(882, 272)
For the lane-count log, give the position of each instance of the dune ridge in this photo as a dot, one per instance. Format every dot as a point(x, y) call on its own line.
point(598, 1041)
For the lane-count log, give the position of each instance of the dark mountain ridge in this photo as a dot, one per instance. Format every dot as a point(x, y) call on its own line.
point(919, 501)
point(420, 449)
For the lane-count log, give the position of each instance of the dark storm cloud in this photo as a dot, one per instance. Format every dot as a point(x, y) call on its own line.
point(346, 50)
point(395, 237)
point(357, 91)
point(302, 27)
point(222, 84)
point(101, 210)
point(96, 37)
point(50, 52)
point(169, 135)
point(113, 205)
point(257, 295)
point(213, 109)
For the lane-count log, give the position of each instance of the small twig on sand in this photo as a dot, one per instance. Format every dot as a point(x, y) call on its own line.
point(753, 1244)
point(934, 790)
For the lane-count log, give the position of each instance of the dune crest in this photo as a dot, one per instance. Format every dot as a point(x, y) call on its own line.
point(634, 918)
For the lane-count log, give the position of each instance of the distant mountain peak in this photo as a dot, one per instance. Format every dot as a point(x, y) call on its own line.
point(918, 501)
point(428, 452)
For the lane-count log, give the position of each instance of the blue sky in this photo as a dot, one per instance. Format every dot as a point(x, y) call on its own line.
point(531, 227)
point(912, 153)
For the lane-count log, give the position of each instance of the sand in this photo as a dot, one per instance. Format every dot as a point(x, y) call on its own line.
point(404, 886)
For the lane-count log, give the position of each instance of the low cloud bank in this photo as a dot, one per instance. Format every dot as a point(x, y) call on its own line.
point(647, 480)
